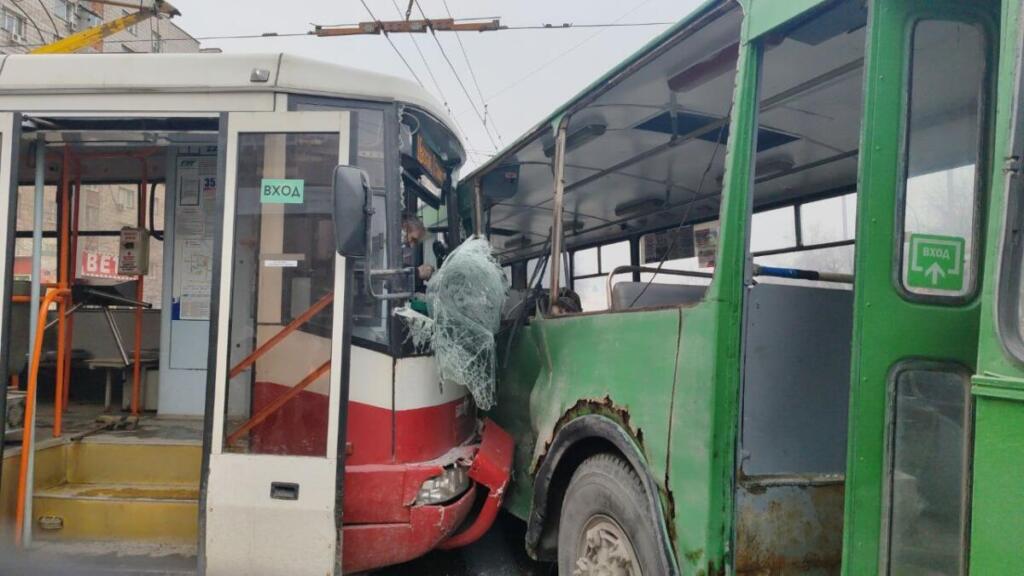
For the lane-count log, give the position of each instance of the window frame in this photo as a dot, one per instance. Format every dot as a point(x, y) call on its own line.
point(17, 31)
point(396, 344)
point(985, 105)
point(889, 455)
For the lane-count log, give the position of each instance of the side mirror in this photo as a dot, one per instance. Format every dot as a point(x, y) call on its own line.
point(353, 206)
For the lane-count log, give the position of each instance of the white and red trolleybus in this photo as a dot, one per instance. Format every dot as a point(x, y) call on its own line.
point(326, 443)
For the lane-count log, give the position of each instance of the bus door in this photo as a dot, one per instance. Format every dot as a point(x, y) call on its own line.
point(923, 167)
point(272, 492)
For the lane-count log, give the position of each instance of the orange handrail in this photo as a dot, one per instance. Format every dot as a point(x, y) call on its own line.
point(291, 327)
point(30, 406)
point(278, 402)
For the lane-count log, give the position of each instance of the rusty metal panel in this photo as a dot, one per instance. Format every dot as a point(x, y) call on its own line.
point(789, 529)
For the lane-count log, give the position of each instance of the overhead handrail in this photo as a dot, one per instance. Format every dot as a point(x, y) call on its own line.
point(629, 268)
point(275, 405)
point(276, 338)
point(27, 439)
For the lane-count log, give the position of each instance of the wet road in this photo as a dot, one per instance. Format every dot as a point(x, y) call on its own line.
point(499, 553)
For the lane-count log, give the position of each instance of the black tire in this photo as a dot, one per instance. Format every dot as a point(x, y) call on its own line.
point(606, 498)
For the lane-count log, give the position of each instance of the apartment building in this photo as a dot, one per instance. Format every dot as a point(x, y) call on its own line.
point(25, 24)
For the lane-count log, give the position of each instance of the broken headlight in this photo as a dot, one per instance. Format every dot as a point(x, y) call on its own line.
point(450, 484)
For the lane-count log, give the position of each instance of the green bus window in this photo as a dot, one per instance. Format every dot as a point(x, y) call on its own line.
point(927, 479)
point(941, 178)
point(829, 220)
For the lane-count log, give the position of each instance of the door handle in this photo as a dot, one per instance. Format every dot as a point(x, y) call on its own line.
point(284, 491)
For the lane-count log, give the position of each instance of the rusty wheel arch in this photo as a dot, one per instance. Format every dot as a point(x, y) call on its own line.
point(574, 442)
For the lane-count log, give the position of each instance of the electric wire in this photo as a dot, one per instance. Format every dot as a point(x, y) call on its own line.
point(566, 52)
point(312, 34)
point(430, 71)
point(472, 73)
point(458, 78)
point(393, 47)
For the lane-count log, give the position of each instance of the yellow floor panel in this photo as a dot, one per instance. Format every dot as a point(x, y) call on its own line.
point(111, 491)
point(117, 512)
point(98, 463)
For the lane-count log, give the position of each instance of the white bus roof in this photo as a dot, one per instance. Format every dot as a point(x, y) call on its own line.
point(54, 77)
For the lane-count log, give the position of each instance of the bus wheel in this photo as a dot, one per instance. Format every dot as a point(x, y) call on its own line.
point(603, 528)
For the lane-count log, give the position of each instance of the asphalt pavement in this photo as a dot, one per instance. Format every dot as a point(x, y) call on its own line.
point(500, 552)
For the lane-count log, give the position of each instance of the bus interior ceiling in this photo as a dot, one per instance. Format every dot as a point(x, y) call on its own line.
point(91, 481)
point(791, 460)
point(642, 157)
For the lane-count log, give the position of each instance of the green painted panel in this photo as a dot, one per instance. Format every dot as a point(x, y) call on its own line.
point(585, 364)
point(992, 356)
point(931, 331)
point(766, 15)
point(997, 526)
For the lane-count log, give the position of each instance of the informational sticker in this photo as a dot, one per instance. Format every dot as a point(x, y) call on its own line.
point(194, 228)
point(673, 244)
point(936, 262)
point(705, 238)
point(281, 263)
point(282, 190)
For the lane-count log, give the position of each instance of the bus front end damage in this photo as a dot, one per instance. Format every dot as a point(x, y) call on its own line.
point(403, 511)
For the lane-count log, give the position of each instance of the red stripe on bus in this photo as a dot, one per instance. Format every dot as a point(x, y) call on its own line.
point(299, 428)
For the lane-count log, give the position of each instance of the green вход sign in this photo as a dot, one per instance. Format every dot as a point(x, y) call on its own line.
point(282, 191)
point(936, 262)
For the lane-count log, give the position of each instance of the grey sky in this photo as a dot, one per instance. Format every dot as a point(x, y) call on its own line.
point(500, 59)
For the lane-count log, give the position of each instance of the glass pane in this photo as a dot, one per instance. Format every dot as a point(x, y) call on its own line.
point(26, 208)
point(773, 229)
point(110, 207)
point(47, 265)
point(928, 475)
point(370, 314)
point(614, 255)
point(593, 293)
point(545, 278)
point(829, 220)
point(283, 272)
point(585, 262)
point(942, 152)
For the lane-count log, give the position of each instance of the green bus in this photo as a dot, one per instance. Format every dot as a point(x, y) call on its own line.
point(785, 332)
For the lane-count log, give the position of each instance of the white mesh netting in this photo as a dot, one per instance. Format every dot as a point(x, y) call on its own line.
point(464, 298)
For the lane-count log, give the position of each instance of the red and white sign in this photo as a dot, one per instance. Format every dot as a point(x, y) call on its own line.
point(98, 265)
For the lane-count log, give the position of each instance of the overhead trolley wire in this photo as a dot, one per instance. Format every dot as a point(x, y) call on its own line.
point(312, 34)
point(615, 23)
point(395, 48)
point(472, 73)
point(430, 70)
point(426, 64)
point(458, 78)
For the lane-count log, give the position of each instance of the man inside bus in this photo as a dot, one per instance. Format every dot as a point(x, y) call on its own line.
point(413, 234)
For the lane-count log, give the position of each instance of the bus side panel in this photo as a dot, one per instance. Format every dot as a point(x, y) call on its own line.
point(518, 372)
point(618, 365)
point(997, 528)
point(997, 525)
